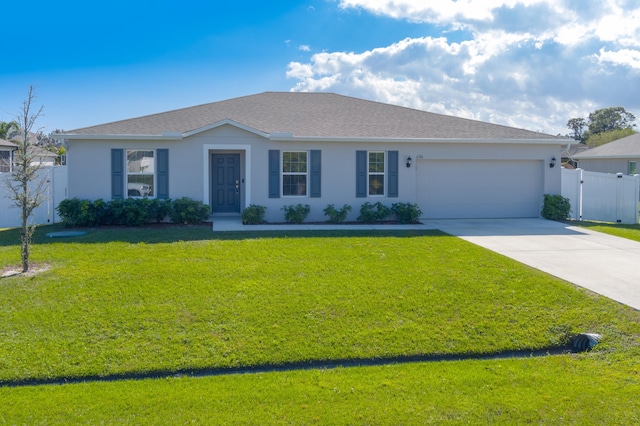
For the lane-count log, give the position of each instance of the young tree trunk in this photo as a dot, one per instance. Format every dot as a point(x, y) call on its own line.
point(27, 189)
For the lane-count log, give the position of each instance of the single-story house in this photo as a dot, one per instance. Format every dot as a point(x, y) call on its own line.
point(39, 156)
point(619, 156)
point(275, 149)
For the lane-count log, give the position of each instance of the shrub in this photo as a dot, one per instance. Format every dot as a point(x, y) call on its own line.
point(130, 211)
point(253, 214)
point(158, 210)
point(373, 212)
point(297, 213)
point(337, 216)
point(556, 207)
point(188, 211)
point(84, 213)
point(406, 212)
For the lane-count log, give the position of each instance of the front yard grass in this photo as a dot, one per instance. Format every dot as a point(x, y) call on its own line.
point(631, 232)
point(119, 302)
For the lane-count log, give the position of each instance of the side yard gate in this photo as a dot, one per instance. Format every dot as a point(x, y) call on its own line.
point(602, 196)
point(56, 191)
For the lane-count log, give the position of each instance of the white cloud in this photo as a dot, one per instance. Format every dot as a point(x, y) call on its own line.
point(305, 48)
point(525, 63)
point(626, 57)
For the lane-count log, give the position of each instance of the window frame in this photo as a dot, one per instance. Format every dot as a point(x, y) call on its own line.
point(284, 173)
point(383, 174)
point(9, 158)
point(635, 167)
point(153, 174)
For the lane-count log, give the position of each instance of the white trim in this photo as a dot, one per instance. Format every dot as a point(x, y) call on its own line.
point(206, 172)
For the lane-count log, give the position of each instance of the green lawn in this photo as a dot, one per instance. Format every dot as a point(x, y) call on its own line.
point(134, 301)
point(631, 232)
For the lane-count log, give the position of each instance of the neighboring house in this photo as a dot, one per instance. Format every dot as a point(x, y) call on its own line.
point(619, 156)
point(275, 149)
point(40, 156)
point(6, 155)
point(569, 152)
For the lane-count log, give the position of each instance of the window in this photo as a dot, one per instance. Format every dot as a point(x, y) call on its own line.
point(294, 173)
point(633, 168)
point(5, 161)
point(140, 173)
point(375, 173)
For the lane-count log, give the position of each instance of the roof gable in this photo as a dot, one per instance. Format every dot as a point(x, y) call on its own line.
point(310, 115)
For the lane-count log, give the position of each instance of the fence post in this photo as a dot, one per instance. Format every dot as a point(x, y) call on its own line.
point(618, 197)
point(580, 183)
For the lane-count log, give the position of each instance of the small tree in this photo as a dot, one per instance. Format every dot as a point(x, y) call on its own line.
point(26, 188)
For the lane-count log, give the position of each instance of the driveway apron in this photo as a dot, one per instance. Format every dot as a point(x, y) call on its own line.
point(602, 263)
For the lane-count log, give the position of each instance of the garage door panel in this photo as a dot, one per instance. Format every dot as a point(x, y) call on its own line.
point(479, 188)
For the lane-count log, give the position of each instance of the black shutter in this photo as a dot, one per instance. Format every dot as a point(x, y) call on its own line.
point(393, 173)
point(162, 177)
point(316, 171)
point(361, 174)
point(274, 173)
point(117, 174)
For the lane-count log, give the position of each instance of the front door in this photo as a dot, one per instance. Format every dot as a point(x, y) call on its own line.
point(225, 185)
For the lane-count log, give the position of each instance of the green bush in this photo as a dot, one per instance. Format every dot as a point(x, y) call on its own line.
point(253, 214)
point(130, 211)
point(556, 207)
point(158, 210)
point(188, 211)
point(297, 213)
point(373, 212)
point(406, 212)
point(337, 216)
point(82, 213)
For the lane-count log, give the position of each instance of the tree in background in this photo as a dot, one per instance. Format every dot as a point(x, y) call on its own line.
point(577, 125)
point(8, 130)
point(26, 188)
point(598, 139)
point(603, 126)
point(608, 119)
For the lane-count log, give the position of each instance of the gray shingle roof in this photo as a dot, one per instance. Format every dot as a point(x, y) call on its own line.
point(7, 144)
point(314, 115)
point(627, 147)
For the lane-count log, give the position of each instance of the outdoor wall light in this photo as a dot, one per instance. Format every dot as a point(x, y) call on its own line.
point(553, 162)
point(409, 161)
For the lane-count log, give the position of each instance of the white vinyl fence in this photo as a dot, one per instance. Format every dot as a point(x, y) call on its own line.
point(602, 196)
point(56, 191)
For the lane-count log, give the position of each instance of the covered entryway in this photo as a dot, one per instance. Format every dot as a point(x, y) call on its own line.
point(225, 183)
point(458, 189)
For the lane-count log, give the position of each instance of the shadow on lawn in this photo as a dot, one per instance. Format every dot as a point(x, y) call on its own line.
point(293, 366)
point(174, 233)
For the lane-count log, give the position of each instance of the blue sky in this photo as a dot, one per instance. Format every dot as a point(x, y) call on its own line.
point(526, 63)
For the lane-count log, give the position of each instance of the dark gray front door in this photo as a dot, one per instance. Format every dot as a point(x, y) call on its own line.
point(225, 185)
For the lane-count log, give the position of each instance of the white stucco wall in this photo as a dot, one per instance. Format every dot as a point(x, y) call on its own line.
point(90, 166)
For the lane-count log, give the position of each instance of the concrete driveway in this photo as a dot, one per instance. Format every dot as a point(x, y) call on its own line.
point(602, 263)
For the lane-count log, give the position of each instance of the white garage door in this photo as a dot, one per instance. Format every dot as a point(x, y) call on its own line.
point(457, 189)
